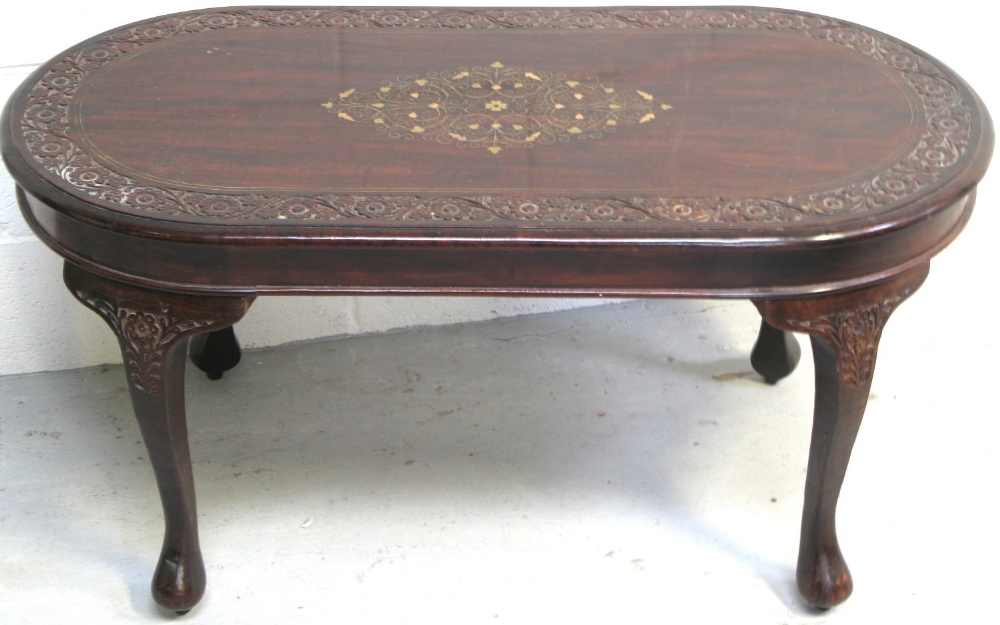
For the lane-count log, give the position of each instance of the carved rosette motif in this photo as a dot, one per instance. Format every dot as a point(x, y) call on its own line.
point(144, 336)
point(496, 107)
point(946, 137)
point(854, 334)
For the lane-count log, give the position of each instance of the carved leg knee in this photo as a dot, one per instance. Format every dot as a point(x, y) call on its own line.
point(153, 329)
point(844, 329)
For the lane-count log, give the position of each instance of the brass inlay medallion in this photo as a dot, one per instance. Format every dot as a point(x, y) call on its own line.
point(496, 107)
point(951, 132)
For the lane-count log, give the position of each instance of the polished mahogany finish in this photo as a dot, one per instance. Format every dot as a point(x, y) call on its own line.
point(216, 352)
point(775, 353)
point(153, 331)
point(844, 329)
point(185, 164)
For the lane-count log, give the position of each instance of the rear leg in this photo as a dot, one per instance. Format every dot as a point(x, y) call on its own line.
point(215, 352)
point(775, 354)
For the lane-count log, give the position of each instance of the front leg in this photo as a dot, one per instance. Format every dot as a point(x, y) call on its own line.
point(153, 328)
point(844, 329)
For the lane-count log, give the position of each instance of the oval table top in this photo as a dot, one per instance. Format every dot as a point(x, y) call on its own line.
point(734, 152)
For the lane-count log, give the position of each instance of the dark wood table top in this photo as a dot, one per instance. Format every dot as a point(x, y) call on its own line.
point(569, 151)
point(810, 164)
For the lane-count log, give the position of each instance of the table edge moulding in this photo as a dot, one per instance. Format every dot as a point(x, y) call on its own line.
point(167, 259)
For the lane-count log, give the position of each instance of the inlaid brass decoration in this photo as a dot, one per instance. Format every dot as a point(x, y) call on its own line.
point(951, 132)
point(496, 107)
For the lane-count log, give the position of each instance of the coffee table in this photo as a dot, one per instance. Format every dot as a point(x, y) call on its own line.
point(186, 164)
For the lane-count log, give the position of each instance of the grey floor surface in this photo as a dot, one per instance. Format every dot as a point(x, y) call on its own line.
point(618, 464)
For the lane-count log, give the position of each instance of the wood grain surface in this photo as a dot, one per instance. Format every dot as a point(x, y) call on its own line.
point(753, 152)
point(188, 163)
point(567, 118)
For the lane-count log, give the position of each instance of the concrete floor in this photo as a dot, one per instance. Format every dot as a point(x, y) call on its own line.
point(618, 464)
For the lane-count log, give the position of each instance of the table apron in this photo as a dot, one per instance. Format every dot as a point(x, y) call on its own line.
point(524, 268)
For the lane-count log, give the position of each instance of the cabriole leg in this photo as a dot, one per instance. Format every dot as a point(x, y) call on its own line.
point(775, 353)
point(153, 328)
point(844, 329)
point(215, 352)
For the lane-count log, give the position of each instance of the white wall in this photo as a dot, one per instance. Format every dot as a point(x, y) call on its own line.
point(43, 328)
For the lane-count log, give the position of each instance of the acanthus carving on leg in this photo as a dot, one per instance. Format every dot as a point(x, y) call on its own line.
point(153, 328)
point(844, 329)
point(144, 335)
point(854, 334)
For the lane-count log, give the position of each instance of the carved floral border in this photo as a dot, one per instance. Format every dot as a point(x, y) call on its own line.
point(45, 125)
